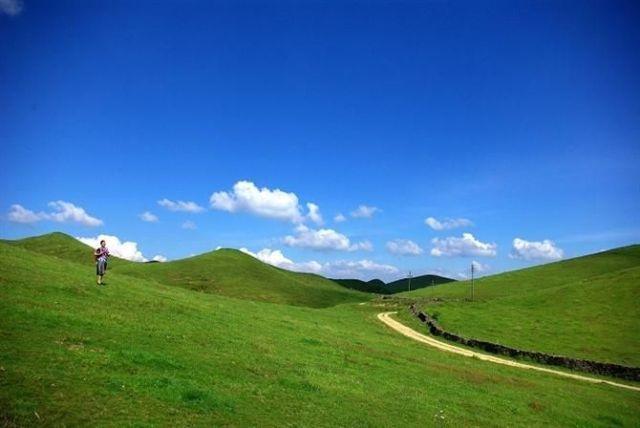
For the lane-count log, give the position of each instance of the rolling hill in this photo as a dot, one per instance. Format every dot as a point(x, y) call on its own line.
point(141, 352)
point(226, 272)
point(374, 286)
point(233, 273)
point(380, 287)
point(586, 307)
point(417, 283)
point(62, 246)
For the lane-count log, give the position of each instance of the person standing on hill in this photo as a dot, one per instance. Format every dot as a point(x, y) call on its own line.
point(101, 255)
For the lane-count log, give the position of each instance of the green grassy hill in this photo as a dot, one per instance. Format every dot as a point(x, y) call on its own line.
point(379, 287)
point(417, 283)
point(140, 352)
point(585, 307)
point(225, 272)
point(374, 286)
point(63, 246)
point(233, 273)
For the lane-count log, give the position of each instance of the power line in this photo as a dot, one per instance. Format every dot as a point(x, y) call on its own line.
point(472, 281)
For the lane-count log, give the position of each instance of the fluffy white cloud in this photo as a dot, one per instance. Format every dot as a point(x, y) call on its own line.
point(63, 212)
point(314, 213)
point(447, 223)
point(364, 211)
point(11, 7)
point(363, 269)
point(264, 202)
point(278, 259)
point(148, 217)
point(19, 214)
point(159, 258)
point(404, 247)
point(189, 225)
point(535, 250)
point(324, 239)
point(467, 245)
point(188, 206)
point(124, 249)
point(339, 218)
point(67, 212)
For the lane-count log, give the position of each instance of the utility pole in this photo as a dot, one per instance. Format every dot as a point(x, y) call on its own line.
point(409, 280)
point(472, 281)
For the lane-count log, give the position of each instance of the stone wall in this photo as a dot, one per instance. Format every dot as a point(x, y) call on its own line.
point(607, 369)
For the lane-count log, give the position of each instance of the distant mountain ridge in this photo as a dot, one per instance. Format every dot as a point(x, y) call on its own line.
point(380, 287)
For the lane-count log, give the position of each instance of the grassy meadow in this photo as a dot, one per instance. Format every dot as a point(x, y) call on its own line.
point(585, 307)
point(146, 351)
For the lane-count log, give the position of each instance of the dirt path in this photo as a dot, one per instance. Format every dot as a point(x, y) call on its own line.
point(386, 318)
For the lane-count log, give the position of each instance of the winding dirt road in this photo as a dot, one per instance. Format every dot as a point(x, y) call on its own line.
point(385, 317)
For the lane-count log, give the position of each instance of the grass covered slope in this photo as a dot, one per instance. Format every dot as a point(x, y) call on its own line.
point(417, 282)
point(585, 307)
point(233, 273)
point(62, 246)
point(137, 352)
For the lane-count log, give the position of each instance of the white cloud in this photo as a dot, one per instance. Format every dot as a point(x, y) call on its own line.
point(364, 211)
point(324, 239)
point(339, 218)
point(362, 245)
point(189, 225)
point(188, 206)
point(148, 217)
point(19, 214)
point(404, 247)
point(11, 7)
point(314, 213)
point(63, 212)
point(447, 223)
point(127, 250)
point(159, 258)
point(272, 257)
point(278, 259)
point(66, 211)
point(264, 202)
point(467, 245)
point(364, 269)
point(535, 250)
point(480, 267)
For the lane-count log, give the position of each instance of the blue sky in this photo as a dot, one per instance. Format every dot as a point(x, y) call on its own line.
point(514, 120)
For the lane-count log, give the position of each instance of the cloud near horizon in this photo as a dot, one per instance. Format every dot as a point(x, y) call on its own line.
point(360, 269)
point(324, 240)
point(535, 250)
point(63, 212)
point(404, 247)
point(447, 223)
point(465, 246)
point(127, 250)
